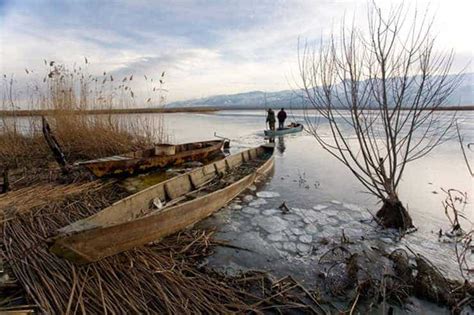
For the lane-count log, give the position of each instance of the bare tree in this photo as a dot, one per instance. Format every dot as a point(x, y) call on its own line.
point(378, 89)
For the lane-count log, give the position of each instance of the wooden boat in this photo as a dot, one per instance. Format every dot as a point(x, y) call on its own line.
point(160, 156)
point(292, 128)
point(179, 202)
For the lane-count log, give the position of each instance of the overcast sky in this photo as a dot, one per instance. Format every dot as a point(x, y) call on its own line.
point(205, 47)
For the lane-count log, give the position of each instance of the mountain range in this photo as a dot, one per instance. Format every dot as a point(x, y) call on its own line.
point(462, 96)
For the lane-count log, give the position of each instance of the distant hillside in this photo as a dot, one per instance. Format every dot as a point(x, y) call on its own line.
point(463, 96)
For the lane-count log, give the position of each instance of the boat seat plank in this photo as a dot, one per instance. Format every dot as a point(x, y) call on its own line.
point(179, 186)
point(220, 166)
point(253, 153)
point(234, 161)
point(199, 177)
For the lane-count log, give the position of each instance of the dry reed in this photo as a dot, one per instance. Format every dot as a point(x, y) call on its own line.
point(158, 278)
point(65, 93)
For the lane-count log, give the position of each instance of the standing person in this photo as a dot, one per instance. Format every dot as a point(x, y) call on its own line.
point(271, 119)
point(281, 118)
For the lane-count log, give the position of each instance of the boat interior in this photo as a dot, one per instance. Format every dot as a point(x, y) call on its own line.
point(169, 193)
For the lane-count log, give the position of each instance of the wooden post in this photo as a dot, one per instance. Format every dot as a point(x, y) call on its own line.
point(6, 184)
point(54, 146)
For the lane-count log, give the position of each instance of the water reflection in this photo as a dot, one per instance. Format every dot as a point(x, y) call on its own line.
point(281, 145)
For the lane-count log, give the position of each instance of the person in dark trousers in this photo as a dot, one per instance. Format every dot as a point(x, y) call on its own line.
point(271, 119)
point(281, 118)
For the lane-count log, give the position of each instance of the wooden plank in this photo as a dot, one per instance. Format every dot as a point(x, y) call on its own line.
point(121, 211)
point(221, 166)
point(199, 176)
point(178, 187)
point(253, 153)
point(234, 160)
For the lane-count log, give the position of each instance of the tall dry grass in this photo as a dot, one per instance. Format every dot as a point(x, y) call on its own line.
point(65, 93)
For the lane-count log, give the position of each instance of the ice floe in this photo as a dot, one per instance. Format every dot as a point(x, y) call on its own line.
point(277, 237)
point(236, 206)
point(306, 238)
point(271, 224)
point(250, 210)
point(270, 212)
point(267, 194)
point(297, 231)
point(319, 207)
point(257, 203)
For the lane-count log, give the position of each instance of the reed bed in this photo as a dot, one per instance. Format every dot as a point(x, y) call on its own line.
point(159, 278)
point(66, 94)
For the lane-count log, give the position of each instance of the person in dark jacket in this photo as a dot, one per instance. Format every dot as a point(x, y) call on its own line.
point(271, 119)
point(281, 118)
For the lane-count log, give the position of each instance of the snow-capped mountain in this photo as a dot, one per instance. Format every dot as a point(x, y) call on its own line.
point(462, 96)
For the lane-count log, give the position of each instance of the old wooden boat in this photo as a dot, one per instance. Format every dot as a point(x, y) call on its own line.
point(160, 156)
point(164, 208)
point(292, 128)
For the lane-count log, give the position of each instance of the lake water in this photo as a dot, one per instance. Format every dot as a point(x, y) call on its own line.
point(324, 199)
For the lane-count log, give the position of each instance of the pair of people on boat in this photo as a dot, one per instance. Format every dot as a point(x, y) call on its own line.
point(271, 118)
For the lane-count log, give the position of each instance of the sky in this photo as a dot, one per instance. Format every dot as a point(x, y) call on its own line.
point(205, 47)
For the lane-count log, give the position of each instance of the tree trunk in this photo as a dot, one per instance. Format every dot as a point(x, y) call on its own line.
point(394, 215)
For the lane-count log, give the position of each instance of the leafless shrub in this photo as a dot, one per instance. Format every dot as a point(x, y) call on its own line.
point(379, 91)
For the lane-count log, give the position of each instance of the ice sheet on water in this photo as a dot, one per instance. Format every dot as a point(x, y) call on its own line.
point(303, 248)
point(310, 216)
point(289, 246)
point(325, 220)
point(345, 216)
point(297, 231)
point(248, 198)
point(236, 206)
point(311, 229)
point(291, 217)
point(271, 224)
point(267, 194)
point(270, 212)
point(277, 237)
point(319, 207)
point(250, 210)
point(306, 239)
point(352, 206)
point(257, 203)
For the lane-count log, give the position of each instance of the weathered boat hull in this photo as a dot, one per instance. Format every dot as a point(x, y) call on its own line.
point(135, 162)
point(117, 228)
point(279, 132)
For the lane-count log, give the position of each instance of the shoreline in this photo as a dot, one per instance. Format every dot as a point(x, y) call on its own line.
point(121, 111)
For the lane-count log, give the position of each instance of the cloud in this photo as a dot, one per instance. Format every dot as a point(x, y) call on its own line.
point(205, 47)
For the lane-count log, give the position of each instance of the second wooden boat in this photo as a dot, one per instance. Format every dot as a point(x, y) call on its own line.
point(163, 209)
point(160, 156)
point(292, 128)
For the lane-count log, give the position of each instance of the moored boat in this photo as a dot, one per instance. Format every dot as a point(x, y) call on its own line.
point(160, 156)
point(292, 128)
point(162, 209)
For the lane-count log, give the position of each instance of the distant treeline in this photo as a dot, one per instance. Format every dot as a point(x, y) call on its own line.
point(118, 111)
point(115, 111)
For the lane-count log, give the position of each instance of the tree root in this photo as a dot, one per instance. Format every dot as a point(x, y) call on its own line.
point(394, 215)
